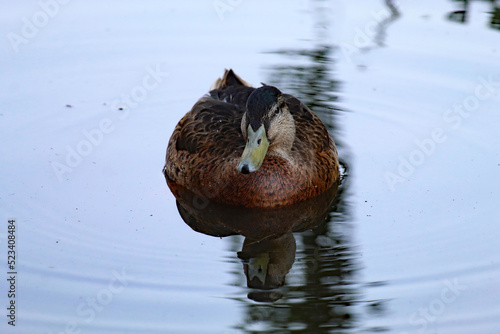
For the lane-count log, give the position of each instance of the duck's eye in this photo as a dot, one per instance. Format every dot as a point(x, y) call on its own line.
point(277, 111)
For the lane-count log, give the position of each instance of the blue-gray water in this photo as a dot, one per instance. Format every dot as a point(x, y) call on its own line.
point(91, 92)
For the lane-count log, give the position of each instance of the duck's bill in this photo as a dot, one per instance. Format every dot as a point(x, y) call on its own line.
point(255, 151)
point(257, 267)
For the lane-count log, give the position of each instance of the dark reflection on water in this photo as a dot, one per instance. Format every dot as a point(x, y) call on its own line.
point(462, 15)
point(381, 31)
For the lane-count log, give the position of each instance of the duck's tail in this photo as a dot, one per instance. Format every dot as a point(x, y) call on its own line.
point(229, 79)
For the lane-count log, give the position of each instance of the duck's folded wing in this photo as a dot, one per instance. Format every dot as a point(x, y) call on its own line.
point(211, 128)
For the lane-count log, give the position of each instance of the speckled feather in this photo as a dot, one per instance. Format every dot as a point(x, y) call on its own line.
point(207, 143)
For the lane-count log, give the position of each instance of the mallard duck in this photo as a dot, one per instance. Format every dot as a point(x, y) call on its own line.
point(251, 147)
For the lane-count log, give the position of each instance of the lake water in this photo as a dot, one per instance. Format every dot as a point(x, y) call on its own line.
point(91, 92)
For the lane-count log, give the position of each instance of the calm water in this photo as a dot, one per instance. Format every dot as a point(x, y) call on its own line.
point(408, 242)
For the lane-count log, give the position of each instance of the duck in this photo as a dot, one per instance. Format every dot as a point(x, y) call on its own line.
point(250, 147)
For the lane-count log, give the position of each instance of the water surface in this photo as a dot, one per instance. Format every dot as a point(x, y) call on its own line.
point(409, 91)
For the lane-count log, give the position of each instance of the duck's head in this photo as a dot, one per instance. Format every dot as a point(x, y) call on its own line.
point(267, 126)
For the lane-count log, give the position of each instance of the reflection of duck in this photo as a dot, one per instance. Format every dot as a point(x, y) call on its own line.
point(288, 157)
point(222, 220)
point(268, 251)
point(267, 262)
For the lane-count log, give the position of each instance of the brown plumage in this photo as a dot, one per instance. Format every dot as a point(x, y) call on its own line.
point(205, 151)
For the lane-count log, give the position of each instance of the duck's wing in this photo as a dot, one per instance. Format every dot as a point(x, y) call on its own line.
point(211, 128)
point(311, 134)
point(313, 147)
point(203, 141)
